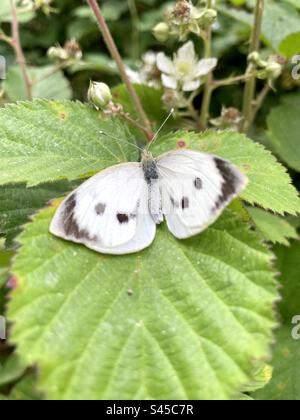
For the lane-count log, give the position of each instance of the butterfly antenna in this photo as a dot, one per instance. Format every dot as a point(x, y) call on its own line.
point(160, 128)
point(124, 141)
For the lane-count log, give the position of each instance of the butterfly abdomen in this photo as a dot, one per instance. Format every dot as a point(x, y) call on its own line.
point(154, 194)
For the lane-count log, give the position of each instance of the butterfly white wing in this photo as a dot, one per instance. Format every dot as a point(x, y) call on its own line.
point(109, 212)
point(195, 189)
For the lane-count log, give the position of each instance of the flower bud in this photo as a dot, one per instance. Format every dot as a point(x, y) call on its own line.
point(57, 53)
point(73, 49)
point(99, 94)
point(207, 18)
point(256, 59)
point(272, 71)
point(161, 32)
point(229, 118)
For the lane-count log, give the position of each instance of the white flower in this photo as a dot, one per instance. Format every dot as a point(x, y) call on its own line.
point(185, 71)
point(148, 73)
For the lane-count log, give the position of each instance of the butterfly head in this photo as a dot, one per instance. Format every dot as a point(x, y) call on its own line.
point(147, 156)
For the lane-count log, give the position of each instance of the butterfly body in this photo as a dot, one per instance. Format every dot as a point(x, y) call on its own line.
point(117, 210)
point(151, 174)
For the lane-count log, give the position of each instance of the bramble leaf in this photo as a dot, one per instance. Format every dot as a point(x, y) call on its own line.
point(273, 228)
point(45, 141)
point(185, 319)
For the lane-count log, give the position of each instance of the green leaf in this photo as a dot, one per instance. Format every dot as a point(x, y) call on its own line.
point(180, 320)
point(151, 101)
point(25, 390)
point(44, 141)
point(269, 184)
point(274, 228)
point(288, 264)
point(5, 13)
point(11, 370)
point(56, 86)
point(261, 377)
point(285, 383)
point(5, 257)
point(295, 3)
point(290, 45)
point(284, 127)
point(279, 21)
point(17, 203)
point(95, 62)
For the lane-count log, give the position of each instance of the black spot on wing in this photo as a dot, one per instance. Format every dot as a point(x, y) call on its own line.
point(100, 208)
point(229, 184)
point(198, 183)
point(185, 202)
point(70, 225)
point(122, 218)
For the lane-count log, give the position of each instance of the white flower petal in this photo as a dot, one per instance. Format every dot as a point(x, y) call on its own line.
point(134, 76)
point(204, 66)
point(169, 81)
point(191, 85)
point(165, 64)
point(187, 52)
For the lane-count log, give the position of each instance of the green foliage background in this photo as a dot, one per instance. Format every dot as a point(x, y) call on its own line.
point(195, 319)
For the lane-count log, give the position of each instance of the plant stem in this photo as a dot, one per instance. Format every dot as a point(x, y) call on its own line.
point(16, 43)
point(135, 31)
point(118, 59)
point(260, 100)
point(231, 80)
point(6, 39)
point(204, 115)
point(251, 83)
point(56, 69)
point(133, 122)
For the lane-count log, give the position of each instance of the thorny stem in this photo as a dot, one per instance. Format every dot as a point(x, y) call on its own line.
point(207, 37)
point(251, 83)
point(16, 44)
point(117, 57)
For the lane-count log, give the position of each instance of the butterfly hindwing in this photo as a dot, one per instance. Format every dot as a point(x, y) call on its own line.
point(108, 213)
point(195, 189)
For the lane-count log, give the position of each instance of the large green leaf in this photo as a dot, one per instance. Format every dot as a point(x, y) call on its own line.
point(47, 84)
point(279, 21)
point(285, 383)
point(269, 184)
point(182, 319)
point(274, 228)
point(284, 127)
point(17, 203)
point(48, 140)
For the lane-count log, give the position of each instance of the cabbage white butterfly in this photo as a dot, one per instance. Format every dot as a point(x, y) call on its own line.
point(117, 210)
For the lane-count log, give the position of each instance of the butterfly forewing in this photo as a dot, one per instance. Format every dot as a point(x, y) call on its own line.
point(109, 212)
point(195, 189)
